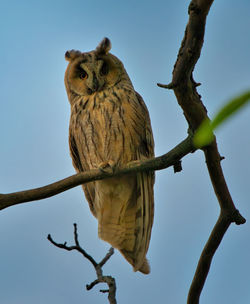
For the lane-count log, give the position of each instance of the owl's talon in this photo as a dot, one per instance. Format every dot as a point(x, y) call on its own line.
point(107, 167)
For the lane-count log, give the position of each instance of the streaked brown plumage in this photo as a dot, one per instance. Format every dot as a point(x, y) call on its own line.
point(110, 126)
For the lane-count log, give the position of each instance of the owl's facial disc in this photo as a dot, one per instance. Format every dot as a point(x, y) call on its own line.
point(93, 74)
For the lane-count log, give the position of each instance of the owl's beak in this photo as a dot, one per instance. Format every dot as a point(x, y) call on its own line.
point(95, 83)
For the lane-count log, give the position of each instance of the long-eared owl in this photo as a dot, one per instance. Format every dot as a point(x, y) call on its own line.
point(109, 127)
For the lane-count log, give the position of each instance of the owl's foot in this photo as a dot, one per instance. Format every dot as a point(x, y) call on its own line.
point(107, 167)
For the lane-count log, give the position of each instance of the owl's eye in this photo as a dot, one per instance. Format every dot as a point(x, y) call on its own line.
point(83, 74)
point(104, 69)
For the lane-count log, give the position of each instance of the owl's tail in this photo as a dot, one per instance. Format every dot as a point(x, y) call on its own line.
point(127, 226)
point(144, 216)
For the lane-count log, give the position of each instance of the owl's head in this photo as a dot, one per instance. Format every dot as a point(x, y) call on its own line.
point(90, 72)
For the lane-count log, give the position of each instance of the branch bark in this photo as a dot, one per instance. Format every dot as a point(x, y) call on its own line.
point(195, 112)
point(158, 163)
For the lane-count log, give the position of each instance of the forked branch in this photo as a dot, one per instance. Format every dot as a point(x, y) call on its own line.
point(195, 112)
point(110, 281)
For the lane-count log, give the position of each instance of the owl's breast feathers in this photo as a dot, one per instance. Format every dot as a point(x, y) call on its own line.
point(114, 125)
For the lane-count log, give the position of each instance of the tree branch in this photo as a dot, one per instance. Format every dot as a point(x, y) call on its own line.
point(110, 281)
point(158, 163)
point(206, 257)
point(195, 112)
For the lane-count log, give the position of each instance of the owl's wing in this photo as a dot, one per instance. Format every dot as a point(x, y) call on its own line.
point(147, 147)
point(80, 167)
point(144, 198)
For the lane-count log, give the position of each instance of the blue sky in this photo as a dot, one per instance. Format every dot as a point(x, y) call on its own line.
point(146, 36)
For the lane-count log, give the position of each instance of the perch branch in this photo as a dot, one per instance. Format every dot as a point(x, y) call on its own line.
point(169, 159)
point(195, 112)
point(110, 281)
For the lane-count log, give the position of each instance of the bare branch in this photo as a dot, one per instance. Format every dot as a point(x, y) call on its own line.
point(158, 163)
point(107, 257)
point(213, 160)
point(195, 112)
point(206, 257)
point(110, 281)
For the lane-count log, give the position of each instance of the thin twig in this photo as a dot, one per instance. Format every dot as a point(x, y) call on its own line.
point(110, 281)
point(107, 257)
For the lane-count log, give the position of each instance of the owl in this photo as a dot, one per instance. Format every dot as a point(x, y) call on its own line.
point(109, 127)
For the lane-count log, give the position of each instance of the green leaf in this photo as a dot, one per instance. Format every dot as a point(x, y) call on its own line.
point(204, 134)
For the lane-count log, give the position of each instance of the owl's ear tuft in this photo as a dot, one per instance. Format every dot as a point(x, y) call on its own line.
point(71, 55)
point(104, 46)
